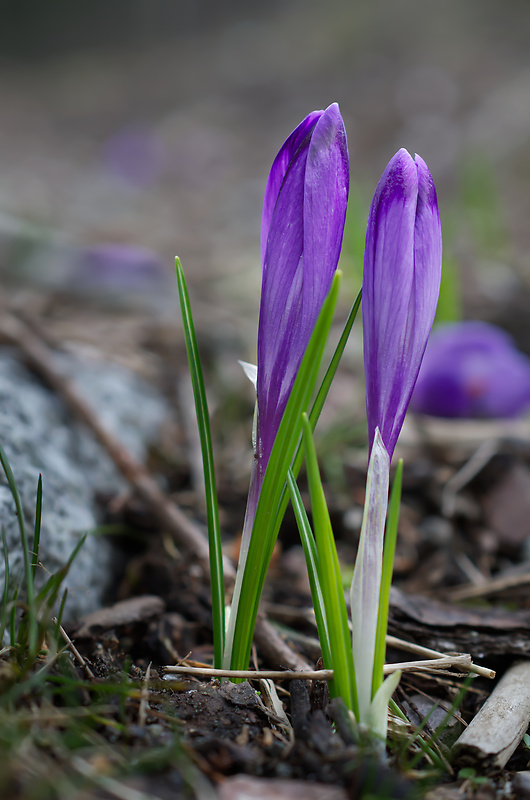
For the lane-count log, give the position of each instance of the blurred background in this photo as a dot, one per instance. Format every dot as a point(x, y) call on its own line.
point(135, 130)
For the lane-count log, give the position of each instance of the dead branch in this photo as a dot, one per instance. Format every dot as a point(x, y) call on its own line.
point(431, 665)
point(496, 731)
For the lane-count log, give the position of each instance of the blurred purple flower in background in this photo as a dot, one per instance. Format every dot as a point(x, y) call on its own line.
point(117, 267)
point(135, 155)
point(472, 369)
point(401, 283)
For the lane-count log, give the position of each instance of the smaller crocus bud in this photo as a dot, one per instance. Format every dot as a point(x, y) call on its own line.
point(401, 283)
point(472, 369)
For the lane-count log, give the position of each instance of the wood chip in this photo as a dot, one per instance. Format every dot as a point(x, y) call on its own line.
point(498, 728)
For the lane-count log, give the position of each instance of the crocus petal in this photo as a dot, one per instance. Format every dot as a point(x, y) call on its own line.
point(301, 255)
point(401, 282)
point(298, 138)
point(472, 369)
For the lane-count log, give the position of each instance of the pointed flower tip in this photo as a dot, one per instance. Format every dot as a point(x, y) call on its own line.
point(333, 110)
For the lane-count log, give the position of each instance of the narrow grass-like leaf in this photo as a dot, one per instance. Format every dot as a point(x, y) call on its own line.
point(203, 421)
point(36, 537)
point(47, 596)
point(311, 557)
point(395, 709)
point(30, 591)
point(330, 579)
point(13, 619)
point(266, 521)
point(5, 596)
point(389, 550)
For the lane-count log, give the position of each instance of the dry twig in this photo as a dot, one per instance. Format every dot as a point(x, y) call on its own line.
point(461, 662)
point(77, 655)
point(495, 732)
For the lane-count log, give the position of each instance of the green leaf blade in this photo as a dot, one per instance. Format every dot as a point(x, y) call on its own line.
point(330, 580)
point(212, 510)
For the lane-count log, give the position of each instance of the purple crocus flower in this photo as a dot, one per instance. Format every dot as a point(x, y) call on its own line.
point(472, 369)
point(304, 211)
point(301, 236)
point(401, 282)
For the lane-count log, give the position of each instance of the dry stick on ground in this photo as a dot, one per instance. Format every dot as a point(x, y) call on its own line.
point(77, 655)
point(462, 662)
point(492, 586)
point(40, 358)
point(495, 732)
point(307, 615)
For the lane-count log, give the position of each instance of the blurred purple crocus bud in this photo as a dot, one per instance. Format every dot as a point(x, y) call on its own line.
point(472, 369)
point(304, 211)
point(135, 155)
point(401, 283)
point(117, 267)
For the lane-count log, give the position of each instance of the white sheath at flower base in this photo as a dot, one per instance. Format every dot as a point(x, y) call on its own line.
point(366, 582)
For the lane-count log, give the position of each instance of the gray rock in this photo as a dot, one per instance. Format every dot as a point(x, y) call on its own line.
point(39, 436)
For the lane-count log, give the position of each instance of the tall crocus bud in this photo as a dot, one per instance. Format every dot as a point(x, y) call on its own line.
point(401, 283)
point(302, 225)
point(301, 236)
